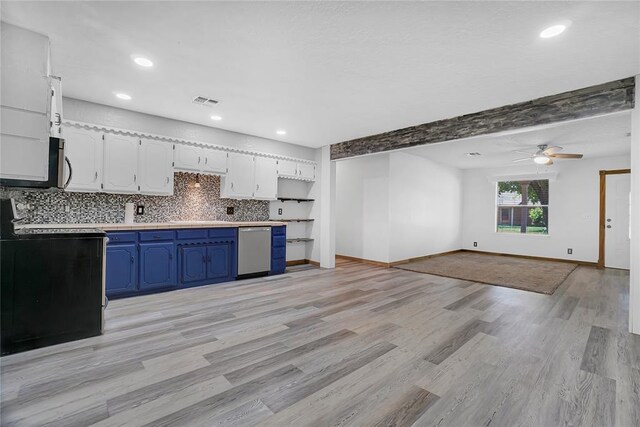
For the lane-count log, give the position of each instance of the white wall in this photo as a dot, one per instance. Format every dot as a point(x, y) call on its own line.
point(425, 205)
point(573, 211)
point(390, 207)
point(634, 294)
point(88, 112)
point(362, 207)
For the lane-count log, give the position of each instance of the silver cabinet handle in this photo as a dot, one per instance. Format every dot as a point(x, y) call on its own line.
point(257, 187)
point(206, 160)
point(232, 185)
point(95, 177)
point(167, 180)
point(134, 177)
point(198, 159)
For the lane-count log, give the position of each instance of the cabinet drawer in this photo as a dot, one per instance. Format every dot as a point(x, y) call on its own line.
point(278, 231)
point(122, 237)
point(147, 236)
point(217, 233)
point(278, 253)
point(278, 241)
point(192, 234)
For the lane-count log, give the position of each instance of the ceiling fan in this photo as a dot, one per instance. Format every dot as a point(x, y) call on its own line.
point(546, 154)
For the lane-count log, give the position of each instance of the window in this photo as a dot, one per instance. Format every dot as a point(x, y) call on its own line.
point(523, 207)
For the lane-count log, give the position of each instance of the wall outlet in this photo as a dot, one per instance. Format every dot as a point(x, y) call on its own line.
point(475, 244)
point(279, 211)
point(570, 251)
point(140, 210)
point(230, 210)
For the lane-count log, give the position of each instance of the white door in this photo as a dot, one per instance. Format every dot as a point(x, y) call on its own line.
point(266, 178)
point(215, 161)
point(188, 158)
point(239, 182)
point(307, 171)
point(617, 214)
point(84, 149)
point(120, 164)
point(155, 166)
point(287, 169)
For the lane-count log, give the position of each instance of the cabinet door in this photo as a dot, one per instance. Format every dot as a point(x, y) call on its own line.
point(157, 265)
point(193, 266)
point(287, 169)
point(156, 169)
point(120, 164)
point(218, 261)
point(187, 158)
point(84, 150)
point(215, 161)
point(266, 178)
point(239, 182)
point(307, 171)
point(121, 269)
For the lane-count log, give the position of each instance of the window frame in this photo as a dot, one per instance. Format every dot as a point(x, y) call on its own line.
point(497, 207)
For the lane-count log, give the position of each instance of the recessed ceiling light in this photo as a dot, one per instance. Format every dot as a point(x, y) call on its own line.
point(552, 31)
point(142, 61)
point(123, 96)
point(281, 132)
point(216, 118)
point(473, 154)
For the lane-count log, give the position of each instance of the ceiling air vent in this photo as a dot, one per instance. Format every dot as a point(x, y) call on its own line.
point(201, 100)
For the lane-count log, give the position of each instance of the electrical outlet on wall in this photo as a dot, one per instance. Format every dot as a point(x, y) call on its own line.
point(570, 251)
point(140, 210)
point(475, 244)
point(230, 210)
point(279, 211)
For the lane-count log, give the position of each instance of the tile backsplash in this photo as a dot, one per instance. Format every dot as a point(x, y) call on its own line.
point(187, 204)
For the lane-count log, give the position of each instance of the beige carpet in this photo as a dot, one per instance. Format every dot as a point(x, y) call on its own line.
point(527, 274)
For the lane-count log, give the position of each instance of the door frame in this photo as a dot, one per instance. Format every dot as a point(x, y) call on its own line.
point(603, 213)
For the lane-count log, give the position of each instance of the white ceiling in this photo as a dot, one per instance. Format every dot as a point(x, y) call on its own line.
point(330, 71)
point(602, 136)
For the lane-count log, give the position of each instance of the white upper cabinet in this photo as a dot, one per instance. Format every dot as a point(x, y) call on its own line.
point(287, 169)
point(120, 164)
point(84, 150)
point(215, 161)
point(296, 170)
point(307, 171)
point(156, 167)
point(239, 182)
point(266, 178)
point(187, 158)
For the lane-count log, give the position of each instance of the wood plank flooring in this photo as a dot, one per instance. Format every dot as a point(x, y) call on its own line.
point(358, 345)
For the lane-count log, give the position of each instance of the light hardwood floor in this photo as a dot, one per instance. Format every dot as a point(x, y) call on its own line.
point(358, 345)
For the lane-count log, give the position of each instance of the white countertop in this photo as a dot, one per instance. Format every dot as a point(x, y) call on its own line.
point(156, 225)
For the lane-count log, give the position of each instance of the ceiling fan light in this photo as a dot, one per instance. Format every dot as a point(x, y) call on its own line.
point(541, 160)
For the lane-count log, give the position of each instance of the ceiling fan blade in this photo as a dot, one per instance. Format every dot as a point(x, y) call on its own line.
point(523, 152)
point(550, 162)
point(566, 156)
point(522, 159)
point(552, 150)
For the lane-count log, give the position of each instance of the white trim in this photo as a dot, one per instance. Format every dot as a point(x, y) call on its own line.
point(147, 135)
point(551, 176)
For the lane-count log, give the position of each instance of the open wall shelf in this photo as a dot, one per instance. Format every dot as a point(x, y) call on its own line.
point(300, 240)
point(292, 220)
point(290, 199)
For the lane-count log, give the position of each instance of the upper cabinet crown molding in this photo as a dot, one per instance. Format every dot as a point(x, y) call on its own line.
point(138, 134)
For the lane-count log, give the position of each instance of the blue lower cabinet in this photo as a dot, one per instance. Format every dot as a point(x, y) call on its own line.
point(278, 249)
point(219, 261)
point(122, 269)
point(193, 267)
point(157, 265)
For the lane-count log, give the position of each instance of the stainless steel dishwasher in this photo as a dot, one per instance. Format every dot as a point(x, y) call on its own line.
point(254, 251)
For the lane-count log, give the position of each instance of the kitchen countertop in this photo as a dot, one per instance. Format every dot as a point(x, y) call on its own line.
point(153, 225)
